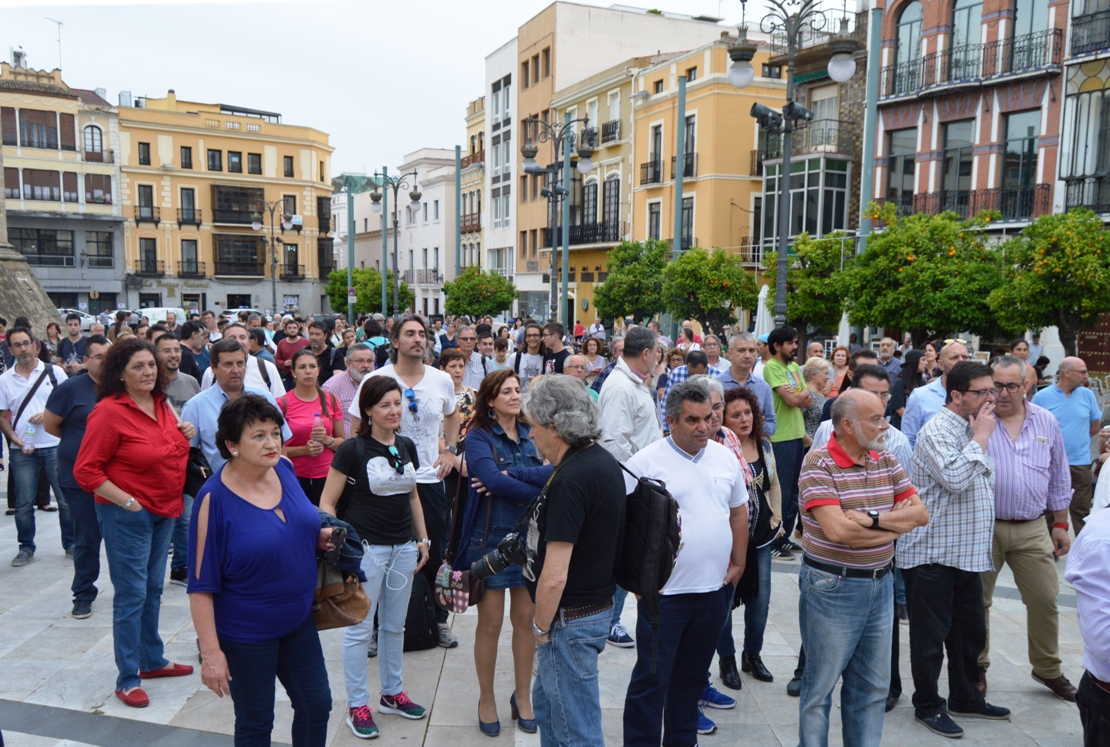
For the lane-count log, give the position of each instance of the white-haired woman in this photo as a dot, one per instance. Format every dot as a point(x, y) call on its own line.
point(816, 374)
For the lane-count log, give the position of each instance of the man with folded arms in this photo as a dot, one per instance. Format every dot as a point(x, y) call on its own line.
point(855, 500)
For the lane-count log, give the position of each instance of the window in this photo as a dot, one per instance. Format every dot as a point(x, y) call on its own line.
point(9, 128)
point(148, 254)
point(98, 247)
point(657, 86)
point(43, 247)
point(288, 160)
point(655, 152)
point(321, 171)
point(825, 102)
point(67, 134)
point(186, 157)
point(144, 154)
point(535, 68)
point(772, 71)
point(1019, 164)
point(654, 218)
point(98, 189)
point(505, 209)
point(691, 74)
point(425, 216)
point(435, 210)
point(505, 111)
point(254, 163)
point(611, 203)
point(900, 181)
point(235, 162)
point(966, 50)
point(41, 185)
point(908, 50)
point(289, 204)
point(189, 265)
point(215, 160)
point(955, 179)
point(235, 204)
point(496, 146)
point(546, 62)
point(38, 129)
point(94, 142)
point(524, 73)
point(69, 186)
point(11, 184)
point(534, 234)
point(589, 203)
point(1030, 16)
point(496, 208)
point(188, 204)
point(146, 196)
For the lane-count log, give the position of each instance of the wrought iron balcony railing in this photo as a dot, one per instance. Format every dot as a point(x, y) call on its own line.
point(188, 216)
point(651, 172)
point(1090, 32)
point(611, 131)
point(190, 268)
point(1091, 192)
point(586, 233)
point(151, 268)
point(689, 165)
point(147, 214)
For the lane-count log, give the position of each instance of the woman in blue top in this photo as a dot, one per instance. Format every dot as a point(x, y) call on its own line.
point(502, 458)
point(252, 576)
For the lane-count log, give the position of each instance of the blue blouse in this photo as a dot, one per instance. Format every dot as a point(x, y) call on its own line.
point(260, 570)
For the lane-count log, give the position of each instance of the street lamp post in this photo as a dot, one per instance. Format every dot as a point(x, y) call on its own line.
point(263, 207)
point(790, 18)
point(351, 184)
point(396, 183)
point(562, 136)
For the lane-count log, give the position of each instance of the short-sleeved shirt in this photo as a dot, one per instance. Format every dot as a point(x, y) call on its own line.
point(585, 507)
point(182, 389)
point(71, 352)
point(203, 411)
point(376, 495)
point(553, 362)
point(72, 401)
point(832, 478)
point(434, 397)
point(789, 420)
point(1075, 413)
point(14, 388)
point(259, 569)
point(300, 416)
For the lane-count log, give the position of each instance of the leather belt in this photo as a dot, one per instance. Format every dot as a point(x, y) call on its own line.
point(1021, 521)
point(1104, 685)
point(839, 570)
point(577, 613)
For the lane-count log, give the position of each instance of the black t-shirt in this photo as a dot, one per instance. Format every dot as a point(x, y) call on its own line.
point(326, 362)
point(381, 512)
point(584, 506)
point(553, 362)
point(71, 352)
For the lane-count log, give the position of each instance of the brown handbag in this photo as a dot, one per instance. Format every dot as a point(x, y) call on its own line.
point(340, 600)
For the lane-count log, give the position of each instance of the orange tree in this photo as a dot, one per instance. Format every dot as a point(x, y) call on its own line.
point(1057, 272)
point(926, 275)
point(708, 286)
point(475, 293)
point(814, 283)
point(634, 286)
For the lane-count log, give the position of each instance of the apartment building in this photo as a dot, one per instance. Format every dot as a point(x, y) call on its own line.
point(62, 186)
point(195, 177)
point(497, 209)
point(472, 181)
point(1085, 152)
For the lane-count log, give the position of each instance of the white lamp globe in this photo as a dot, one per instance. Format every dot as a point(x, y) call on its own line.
point(841, 67)
point(741, 74)
point(256, 225)
point(585, 166)
point(376, 207)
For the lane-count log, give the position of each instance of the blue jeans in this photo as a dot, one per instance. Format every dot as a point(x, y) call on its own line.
point(86, 544)
point(181, 537)
point(25, 471)
point(755, 612)
point(618, 605)
point(788, 466)
point(389, 570)
point(298, 661)
point(137, 543)
point(845, 625)
point(689, 626)
point(566, 697)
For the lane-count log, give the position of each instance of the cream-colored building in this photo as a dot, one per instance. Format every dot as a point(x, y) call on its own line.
point(472, 181)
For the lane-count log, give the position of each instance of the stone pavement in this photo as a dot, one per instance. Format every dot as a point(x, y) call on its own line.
point(57, 676)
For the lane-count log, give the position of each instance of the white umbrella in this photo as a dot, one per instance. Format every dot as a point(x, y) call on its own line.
point(844, 331)
point(763, 321)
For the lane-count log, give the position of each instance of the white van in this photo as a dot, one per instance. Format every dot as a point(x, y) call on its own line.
point(158, 314)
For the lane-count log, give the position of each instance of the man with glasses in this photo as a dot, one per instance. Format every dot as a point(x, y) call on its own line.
point(477, 366)
point(528, 361)
point(576, 366)
point(1031, 475)
point(926, 401)
point(942, 561)
point(1079, 415)
point(712, 348)
point(360, 362)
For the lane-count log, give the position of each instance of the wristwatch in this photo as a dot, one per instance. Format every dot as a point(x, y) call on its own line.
point(453, 449)
point(424, 541)
point(874, 519)
point(130, 501)
point(536, 630)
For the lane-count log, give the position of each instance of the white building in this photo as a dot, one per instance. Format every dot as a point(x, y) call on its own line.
point(498, 211)
point(426, 238)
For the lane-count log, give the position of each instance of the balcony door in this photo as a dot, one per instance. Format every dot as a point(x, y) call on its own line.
point(1019, 166)
point(146, 202)
point(900, 180)
point(955, 184)
point(656, 153)
point(188, 204)
point(966, 33)
point(908, 54)
point(148, 255)
point(1029, 46)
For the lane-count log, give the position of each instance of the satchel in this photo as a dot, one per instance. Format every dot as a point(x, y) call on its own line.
point(340, 600)
point(197, 469)
point(457, 590)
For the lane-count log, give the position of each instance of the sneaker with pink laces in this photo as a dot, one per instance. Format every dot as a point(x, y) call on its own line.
point(400, 705)
point(361, 722)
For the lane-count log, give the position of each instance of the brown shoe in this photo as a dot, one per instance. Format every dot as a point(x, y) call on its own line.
point(981, 685)
point(1059, 686)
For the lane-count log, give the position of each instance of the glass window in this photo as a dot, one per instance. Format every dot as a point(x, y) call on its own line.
point(907, 58)
point(186, 157)
point(215, 160)
point(254, 163)
point(235, 162)
point(589, 203)
point(654, 220)
point(98, 247)
point(955, 180)
point(901, 149)
point(94, 139)
point(144, 154)
point(289, 204)
point(288, 161)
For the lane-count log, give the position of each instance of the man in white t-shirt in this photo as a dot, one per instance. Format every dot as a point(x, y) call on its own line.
point(428, 397)
point(707, 481)
point(527, 362)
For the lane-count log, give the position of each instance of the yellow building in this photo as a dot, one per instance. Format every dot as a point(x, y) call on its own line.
point(194, 178)
point(472, 180)
point(722, 184)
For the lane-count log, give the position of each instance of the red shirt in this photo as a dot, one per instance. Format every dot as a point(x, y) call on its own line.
point(285, 350)
point(144, 458)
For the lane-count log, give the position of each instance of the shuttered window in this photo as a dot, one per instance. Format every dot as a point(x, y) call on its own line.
point(98, 189)
point(67, 132)
point(38, 129)
point(41, 185)
point(11, 184)
point(69, 186)
point(9, 127)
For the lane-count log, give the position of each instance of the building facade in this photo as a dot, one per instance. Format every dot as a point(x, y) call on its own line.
point(1085, 150)
point(195, 179)
point(472, 180)
point(62, 186)
point(498, 209)
point(426, 234)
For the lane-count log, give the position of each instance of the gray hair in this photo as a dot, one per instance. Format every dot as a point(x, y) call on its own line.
point(846, 407)
point(637, 341)
point(711, 383)
point(1006, 361)
point(687, 391)
point(252, 317)
point(709, 337)
point(358, 347)
point(460, 327)
point(740, 337)
point(561, 402)
point(813, 367)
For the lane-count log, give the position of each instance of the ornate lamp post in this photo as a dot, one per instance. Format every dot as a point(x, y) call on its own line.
point(396, 183)
point(261, 209)
point(351, 184)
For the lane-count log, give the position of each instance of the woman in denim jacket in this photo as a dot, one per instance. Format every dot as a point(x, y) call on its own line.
point(502, 458)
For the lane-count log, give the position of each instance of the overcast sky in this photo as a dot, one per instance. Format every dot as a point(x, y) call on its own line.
point(382, 77)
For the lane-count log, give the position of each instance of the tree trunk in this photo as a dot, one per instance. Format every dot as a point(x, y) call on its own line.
point(803, 343)
point(1068, 329)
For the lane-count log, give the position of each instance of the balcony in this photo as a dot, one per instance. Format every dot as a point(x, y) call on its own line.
point(750, 251)
point(688, 243)
point(956, 65)
point(900, 78)
point(819, 136)
point(471, 222)
point(605, 232)
point(188, 217)
point(689, 165)
point(611, 131)
point(903, 202)
point(422, 277)
point(651, 172)
point(98, 156)
point(757, 163)
point(478, 157)
point(957, 201)
point(150, 268)
point(1090, 33)
point(1029, 53)
point(239, 267)
point(147, 214)
point(1015, 203)
point(1091, 192)
point(237, 216)
point(190, 268)
point(292, 272)
point(325, 256)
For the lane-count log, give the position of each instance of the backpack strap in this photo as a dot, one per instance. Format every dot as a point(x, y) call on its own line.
point(265, 374)
point(516, 363)
point(282, 404)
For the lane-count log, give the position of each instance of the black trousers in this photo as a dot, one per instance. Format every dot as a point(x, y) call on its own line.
point(946, 616)
point(433, 501)
point(1094, 712)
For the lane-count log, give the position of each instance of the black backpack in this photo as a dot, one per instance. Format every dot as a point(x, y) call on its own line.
point(421, 626)
point(652, 538)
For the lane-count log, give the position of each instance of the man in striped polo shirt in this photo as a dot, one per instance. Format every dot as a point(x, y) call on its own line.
point(855, 500)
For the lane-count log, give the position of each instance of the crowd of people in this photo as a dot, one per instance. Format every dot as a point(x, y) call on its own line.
point(898, 480)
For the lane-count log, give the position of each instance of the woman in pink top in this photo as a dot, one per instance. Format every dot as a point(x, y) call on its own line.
point(316, 419)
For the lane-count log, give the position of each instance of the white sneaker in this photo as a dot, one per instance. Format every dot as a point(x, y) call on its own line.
point(447, 639)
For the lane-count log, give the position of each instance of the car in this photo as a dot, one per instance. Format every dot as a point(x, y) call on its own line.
point(232, 315)
point(87, 320)
point(158, 314)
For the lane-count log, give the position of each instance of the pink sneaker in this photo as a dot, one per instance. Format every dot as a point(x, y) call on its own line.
point(361, 722)
point(401, 705)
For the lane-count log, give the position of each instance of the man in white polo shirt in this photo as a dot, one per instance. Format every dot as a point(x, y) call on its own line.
point(707, 481)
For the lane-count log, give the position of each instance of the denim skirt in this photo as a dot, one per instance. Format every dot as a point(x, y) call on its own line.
point(503, 516)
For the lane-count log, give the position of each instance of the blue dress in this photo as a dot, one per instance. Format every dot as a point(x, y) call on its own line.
point(489, 452)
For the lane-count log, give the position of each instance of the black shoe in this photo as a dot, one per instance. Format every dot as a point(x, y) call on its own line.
point(793, 547)
point(903, 614)
point(779, 554)
point(729, 676)
point(754, 666)
point(987, 711)
point(943, 725)
point(82, 608)
point(179, 576)
point(891, 701)
point(794, 687)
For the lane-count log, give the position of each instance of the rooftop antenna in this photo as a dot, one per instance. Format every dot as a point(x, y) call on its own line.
point(60, 24)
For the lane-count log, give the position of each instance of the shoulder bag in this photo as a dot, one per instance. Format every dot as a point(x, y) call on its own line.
point(458, 589)
point(197, 470)
point(340, 601)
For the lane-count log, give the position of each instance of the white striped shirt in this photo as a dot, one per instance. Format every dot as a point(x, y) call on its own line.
point(1032, 472)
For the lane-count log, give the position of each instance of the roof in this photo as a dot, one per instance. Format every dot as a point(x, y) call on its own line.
point(92, 98)
point(30, 87)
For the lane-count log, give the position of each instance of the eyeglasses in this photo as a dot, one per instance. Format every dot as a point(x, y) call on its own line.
point(981, 392)
point(1011, 388)
point(467, 339)
point(21, 345)
point(397, 463)
point(410, 395)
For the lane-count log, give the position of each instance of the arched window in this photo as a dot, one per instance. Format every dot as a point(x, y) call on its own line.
point(908, 52)
point(94, 141)
point(966, 32)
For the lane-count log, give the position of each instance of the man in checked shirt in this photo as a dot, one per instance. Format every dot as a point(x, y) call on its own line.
point(941, 561)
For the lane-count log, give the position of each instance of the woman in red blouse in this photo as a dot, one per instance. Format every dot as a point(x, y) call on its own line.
point(134, 463)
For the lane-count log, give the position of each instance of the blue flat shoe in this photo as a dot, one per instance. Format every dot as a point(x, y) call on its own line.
point(490, 729)
point(526, 725)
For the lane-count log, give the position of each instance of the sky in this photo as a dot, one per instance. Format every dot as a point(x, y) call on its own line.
point(383, 78)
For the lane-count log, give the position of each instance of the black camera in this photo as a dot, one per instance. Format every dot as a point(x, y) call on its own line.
point(512, 550)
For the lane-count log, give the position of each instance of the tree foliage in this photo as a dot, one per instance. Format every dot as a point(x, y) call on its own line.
point(635, 283)
point(1057, 272)
point(927, 275)
point(475, 293)
point(708, 286)
point(814, 282)
point(368, 287)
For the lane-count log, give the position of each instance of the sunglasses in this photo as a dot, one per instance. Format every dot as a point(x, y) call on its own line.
point(410, 395)
point(951, 340)
point(397, 463)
